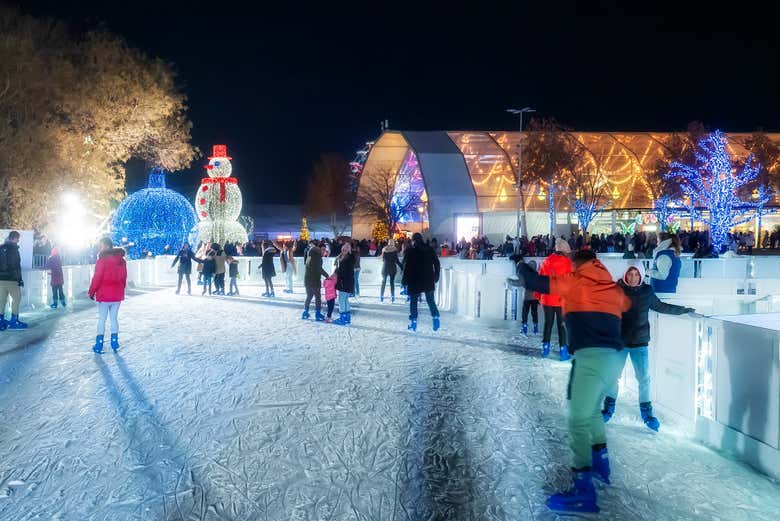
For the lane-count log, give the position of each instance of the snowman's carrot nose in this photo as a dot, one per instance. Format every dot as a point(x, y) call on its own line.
point(209, 167)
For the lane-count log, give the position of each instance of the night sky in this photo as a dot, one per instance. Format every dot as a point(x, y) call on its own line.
point(281, 88)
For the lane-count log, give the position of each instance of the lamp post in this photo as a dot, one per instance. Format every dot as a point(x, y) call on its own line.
point(520, 112)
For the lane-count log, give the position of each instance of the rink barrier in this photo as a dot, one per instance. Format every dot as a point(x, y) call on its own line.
point(722, 377)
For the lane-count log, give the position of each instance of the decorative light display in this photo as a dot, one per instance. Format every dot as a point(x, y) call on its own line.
point(761, 195)
point(715, 183)
point(586, 211)
point(218, 201)
point(155, 220)
point(409, 192)
point(663, 210)
point(380, 232)
point(305, 235)
point(541, 196)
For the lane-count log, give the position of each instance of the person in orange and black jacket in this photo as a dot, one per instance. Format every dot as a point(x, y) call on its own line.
point(592, 308)
point(557, 263)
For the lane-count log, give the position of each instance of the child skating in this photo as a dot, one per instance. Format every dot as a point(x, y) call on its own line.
point(108, 290)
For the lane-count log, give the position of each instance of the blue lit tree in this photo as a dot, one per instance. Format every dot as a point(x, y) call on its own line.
point(715, 184)
point(763, 190)
point(585, 185)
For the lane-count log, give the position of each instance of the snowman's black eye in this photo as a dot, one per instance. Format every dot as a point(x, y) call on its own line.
point(216, 163)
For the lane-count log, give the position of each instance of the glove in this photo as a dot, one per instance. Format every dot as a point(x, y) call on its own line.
point(21, 283)
point(92, 297)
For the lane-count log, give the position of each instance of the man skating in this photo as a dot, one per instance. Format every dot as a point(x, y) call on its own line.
point(11, 282)
point(421, 270)
point(592, 308)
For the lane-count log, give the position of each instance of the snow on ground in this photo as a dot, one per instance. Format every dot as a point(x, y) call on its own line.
point(235, 409)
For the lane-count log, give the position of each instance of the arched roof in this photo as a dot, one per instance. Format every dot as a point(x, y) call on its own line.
point(489, 161)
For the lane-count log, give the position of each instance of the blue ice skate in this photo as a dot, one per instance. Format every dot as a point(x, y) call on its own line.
point(609, 409)
point(581, 497)
point(115, 342)
point(436, 323)
point(565, 356)
point(545, 349)
point(305, 315)
point(98, 347)
point(319, 317)
point(646, 408)
point(601, 464)
point(412, 324)
point(15, 323)
point(525, 329)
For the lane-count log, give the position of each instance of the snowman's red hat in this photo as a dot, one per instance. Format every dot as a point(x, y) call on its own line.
point(219, 151)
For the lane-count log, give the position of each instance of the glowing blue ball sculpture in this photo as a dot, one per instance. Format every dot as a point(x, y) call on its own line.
point(154, 220)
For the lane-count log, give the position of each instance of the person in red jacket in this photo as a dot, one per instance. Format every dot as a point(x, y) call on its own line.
point(108, 289)
point(557, 264)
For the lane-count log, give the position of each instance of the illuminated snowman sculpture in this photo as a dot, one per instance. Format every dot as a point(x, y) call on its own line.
point(218, 202)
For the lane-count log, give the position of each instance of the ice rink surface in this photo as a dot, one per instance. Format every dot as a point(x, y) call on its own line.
point(227, 409)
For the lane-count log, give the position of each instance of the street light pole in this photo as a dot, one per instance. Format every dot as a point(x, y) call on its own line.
point(520, 112)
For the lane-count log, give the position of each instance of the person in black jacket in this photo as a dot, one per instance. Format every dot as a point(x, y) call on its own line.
point(635, 330)
point(345, 284)
point(389, 264)
point(268, 269)
point(209, 268)
point(11, 282)
point(184, 258)
point(421, 273)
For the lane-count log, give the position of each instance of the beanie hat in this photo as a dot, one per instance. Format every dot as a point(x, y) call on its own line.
point(562, 246)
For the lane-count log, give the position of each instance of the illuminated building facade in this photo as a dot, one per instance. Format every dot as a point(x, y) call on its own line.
point(464, 182)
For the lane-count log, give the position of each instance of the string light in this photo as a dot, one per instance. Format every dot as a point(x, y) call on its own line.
point(155, 220)
point(713, 182)
point(218, 201)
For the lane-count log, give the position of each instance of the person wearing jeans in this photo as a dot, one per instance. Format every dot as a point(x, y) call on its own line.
point(345, 283)
point(593, 306)
point(635, 332)
point(421, 271)
point(108, 290)
point(54, 265)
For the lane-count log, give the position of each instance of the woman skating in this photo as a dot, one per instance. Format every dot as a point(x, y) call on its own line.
point(54, 265)
point(312, 281)
point(390, 265)
point(345, 271)
point(267, 269)
point(635, 330)
point(184, 259)
point(556, 264)
point(108, 290)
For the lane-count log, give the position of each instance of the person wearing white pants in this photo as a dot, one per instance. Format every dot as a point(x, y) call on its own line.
point(108, 290)
point(108, 310)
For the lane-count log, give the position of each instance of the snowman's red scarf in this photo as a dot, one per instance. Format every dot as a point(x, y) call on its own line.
point(222, 182)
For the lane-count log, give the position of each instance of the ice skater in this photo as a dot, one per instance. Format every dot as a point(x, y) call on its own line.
point(530, 298)
point(329, 284)
point(232, 264)
point(312, 276)
point(11, 282)
point(421, 273)
point(54, 265)
point(184, 259)
point(209, 268)
point(220, 268)
point(108, 290)
point(287, 261)
point(390, 263)
point(556, 264)
point(345, 271)
point(267, 269)
point(635, 330)
point(593, 306)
